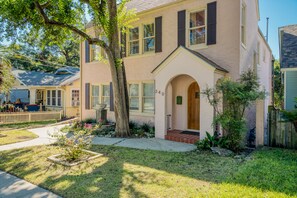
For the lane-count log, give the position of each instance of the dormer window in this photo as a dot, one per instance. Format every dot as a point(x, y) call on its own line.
point(197, 28)
point(134, 41)
point(149, 38)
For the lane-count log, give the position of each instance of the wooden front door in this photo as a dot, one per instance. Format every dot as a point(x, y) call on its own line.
point(194, 106)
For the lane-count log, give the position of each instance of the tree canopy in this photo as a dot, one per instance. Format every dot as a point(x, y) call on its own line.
point(57, 19)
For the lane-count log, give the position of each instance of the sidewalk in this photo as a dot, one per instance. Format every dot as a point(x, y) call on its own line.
point(138, 143)
point(43, 139)
point(13, 187)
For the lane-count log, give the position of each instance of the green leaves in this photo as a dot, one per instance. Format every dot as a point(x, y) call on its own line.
point(230, 100)
point(6, 78)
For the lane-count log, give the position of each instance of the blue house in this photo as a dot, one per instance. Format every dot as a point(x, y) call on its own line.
point(288, 63)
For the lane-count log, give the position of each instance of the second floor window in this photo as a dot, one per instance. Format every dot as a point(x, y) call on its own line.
point(134, 41)
point(243, 24)
point(197, 28)
point(149, 38)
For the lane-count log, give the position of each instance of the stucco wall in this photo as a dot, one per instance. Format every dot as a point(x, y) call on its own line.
point(139, 67)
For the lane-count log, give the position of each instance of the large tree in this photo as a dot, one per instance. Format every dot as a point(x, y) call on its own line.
point(6, 78)
point(59, 18)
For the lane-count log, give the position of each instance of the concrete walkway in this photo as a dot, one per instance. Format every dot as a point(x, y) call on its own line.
point(13, 187)
point(139, 143)
point(43, 139)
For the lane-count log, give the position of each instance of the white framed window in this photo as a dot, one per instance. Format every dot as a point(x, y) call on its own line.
point(105, 98)
point(258, 53)
point(134, 96)
point(75, 102)
point(95, 52)
point(148, 98)
point(197, 28)
point(54, 98)
point(59, 98)
point(264, 55)
point(95, 98)
point(133, 41)
point(149, 37)
point(255, 64)
point(243, 24)
point(48, 97)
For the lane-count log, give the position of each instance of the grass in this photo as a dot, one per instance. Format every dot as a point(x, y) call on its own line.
point(124, 172)
point(16, 136)
point(4, 127)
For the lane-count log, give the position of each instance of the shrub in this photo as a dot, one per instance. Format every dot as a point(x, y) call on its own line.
point(74, 144)
point(291, 116)
point(236, 97)
point(211, 141)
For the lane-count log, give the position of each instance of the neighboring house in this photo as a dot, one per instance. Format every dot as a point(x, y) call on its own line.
point(175, 50)
point(288, 63)
point(56, 91)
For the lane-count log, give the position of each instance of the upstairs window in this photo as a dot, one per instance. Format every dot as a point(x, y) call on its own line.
point(149, 38)
point(243, 24)
point(134, 41)
point(197, 28)
point(95, 53)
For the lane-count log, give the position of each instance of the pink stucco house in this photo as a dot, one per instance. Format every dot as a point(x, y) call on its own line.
point(176, 49)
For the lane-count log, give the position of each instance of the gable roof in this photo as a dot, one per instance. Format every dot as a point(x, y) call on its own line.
point(288, 46)
point(36, 78)
point(197, 54)
point(144, 5)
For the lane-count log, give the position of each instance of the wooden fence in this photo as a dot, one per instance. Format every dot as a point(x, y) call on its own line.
point(281, 133)
point(16, 117)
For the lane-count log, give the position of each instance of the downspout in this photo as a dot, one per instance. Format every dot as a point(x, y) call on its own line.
point(272, 83)
point(80, 79)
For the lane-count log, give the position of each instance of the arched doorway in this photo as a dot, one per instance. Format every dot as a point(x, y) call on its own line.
point(194, 106)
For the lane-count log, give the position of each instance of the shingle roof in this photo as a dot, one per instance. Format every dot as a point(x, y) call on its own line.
point(143, 5)
point(288, 46)
point(35, 78)
point(199, 55)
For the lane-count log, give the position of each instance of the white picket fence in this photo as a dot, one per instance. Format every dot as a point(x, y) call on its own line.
point(15, 117)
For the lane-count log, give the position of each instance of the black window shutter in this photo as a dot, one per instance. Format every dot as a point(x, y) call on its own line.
point(87, 96)
point(123, 44)
point(158, 42)
point(181, 28)
point(212, 23)
point(87, 51)
point(111, 108)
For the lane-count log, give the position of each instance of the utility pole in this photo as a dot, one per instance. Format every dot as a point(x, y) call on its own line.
point(267, 27)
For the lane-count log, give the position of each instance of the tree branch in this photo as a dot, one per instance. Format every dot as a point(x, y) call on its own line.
point(48, 21)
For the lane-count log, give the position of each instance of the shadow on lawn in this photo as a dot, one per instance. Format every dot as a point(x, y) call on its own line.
point(125, 172)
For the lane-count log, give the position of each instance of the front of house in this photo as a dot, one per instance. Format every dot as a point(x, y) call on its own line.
point(57, 91)
point(174, 51)
point(288, 63)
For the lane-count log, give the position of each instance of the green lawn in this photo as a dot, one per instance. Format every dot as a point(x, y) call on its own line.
point(15, 136)
point(124, 172)
point(4, 127)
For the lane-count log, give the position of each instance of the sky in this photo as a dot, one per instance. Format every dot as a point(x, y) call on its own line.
point(280, 13)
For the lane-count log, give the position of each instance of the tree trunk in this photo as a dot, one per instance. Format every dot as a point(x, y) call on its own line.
point(118, 74)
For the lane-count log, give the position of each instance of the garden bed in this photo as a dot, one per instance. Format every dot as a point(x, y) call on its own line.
point(87, 156)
